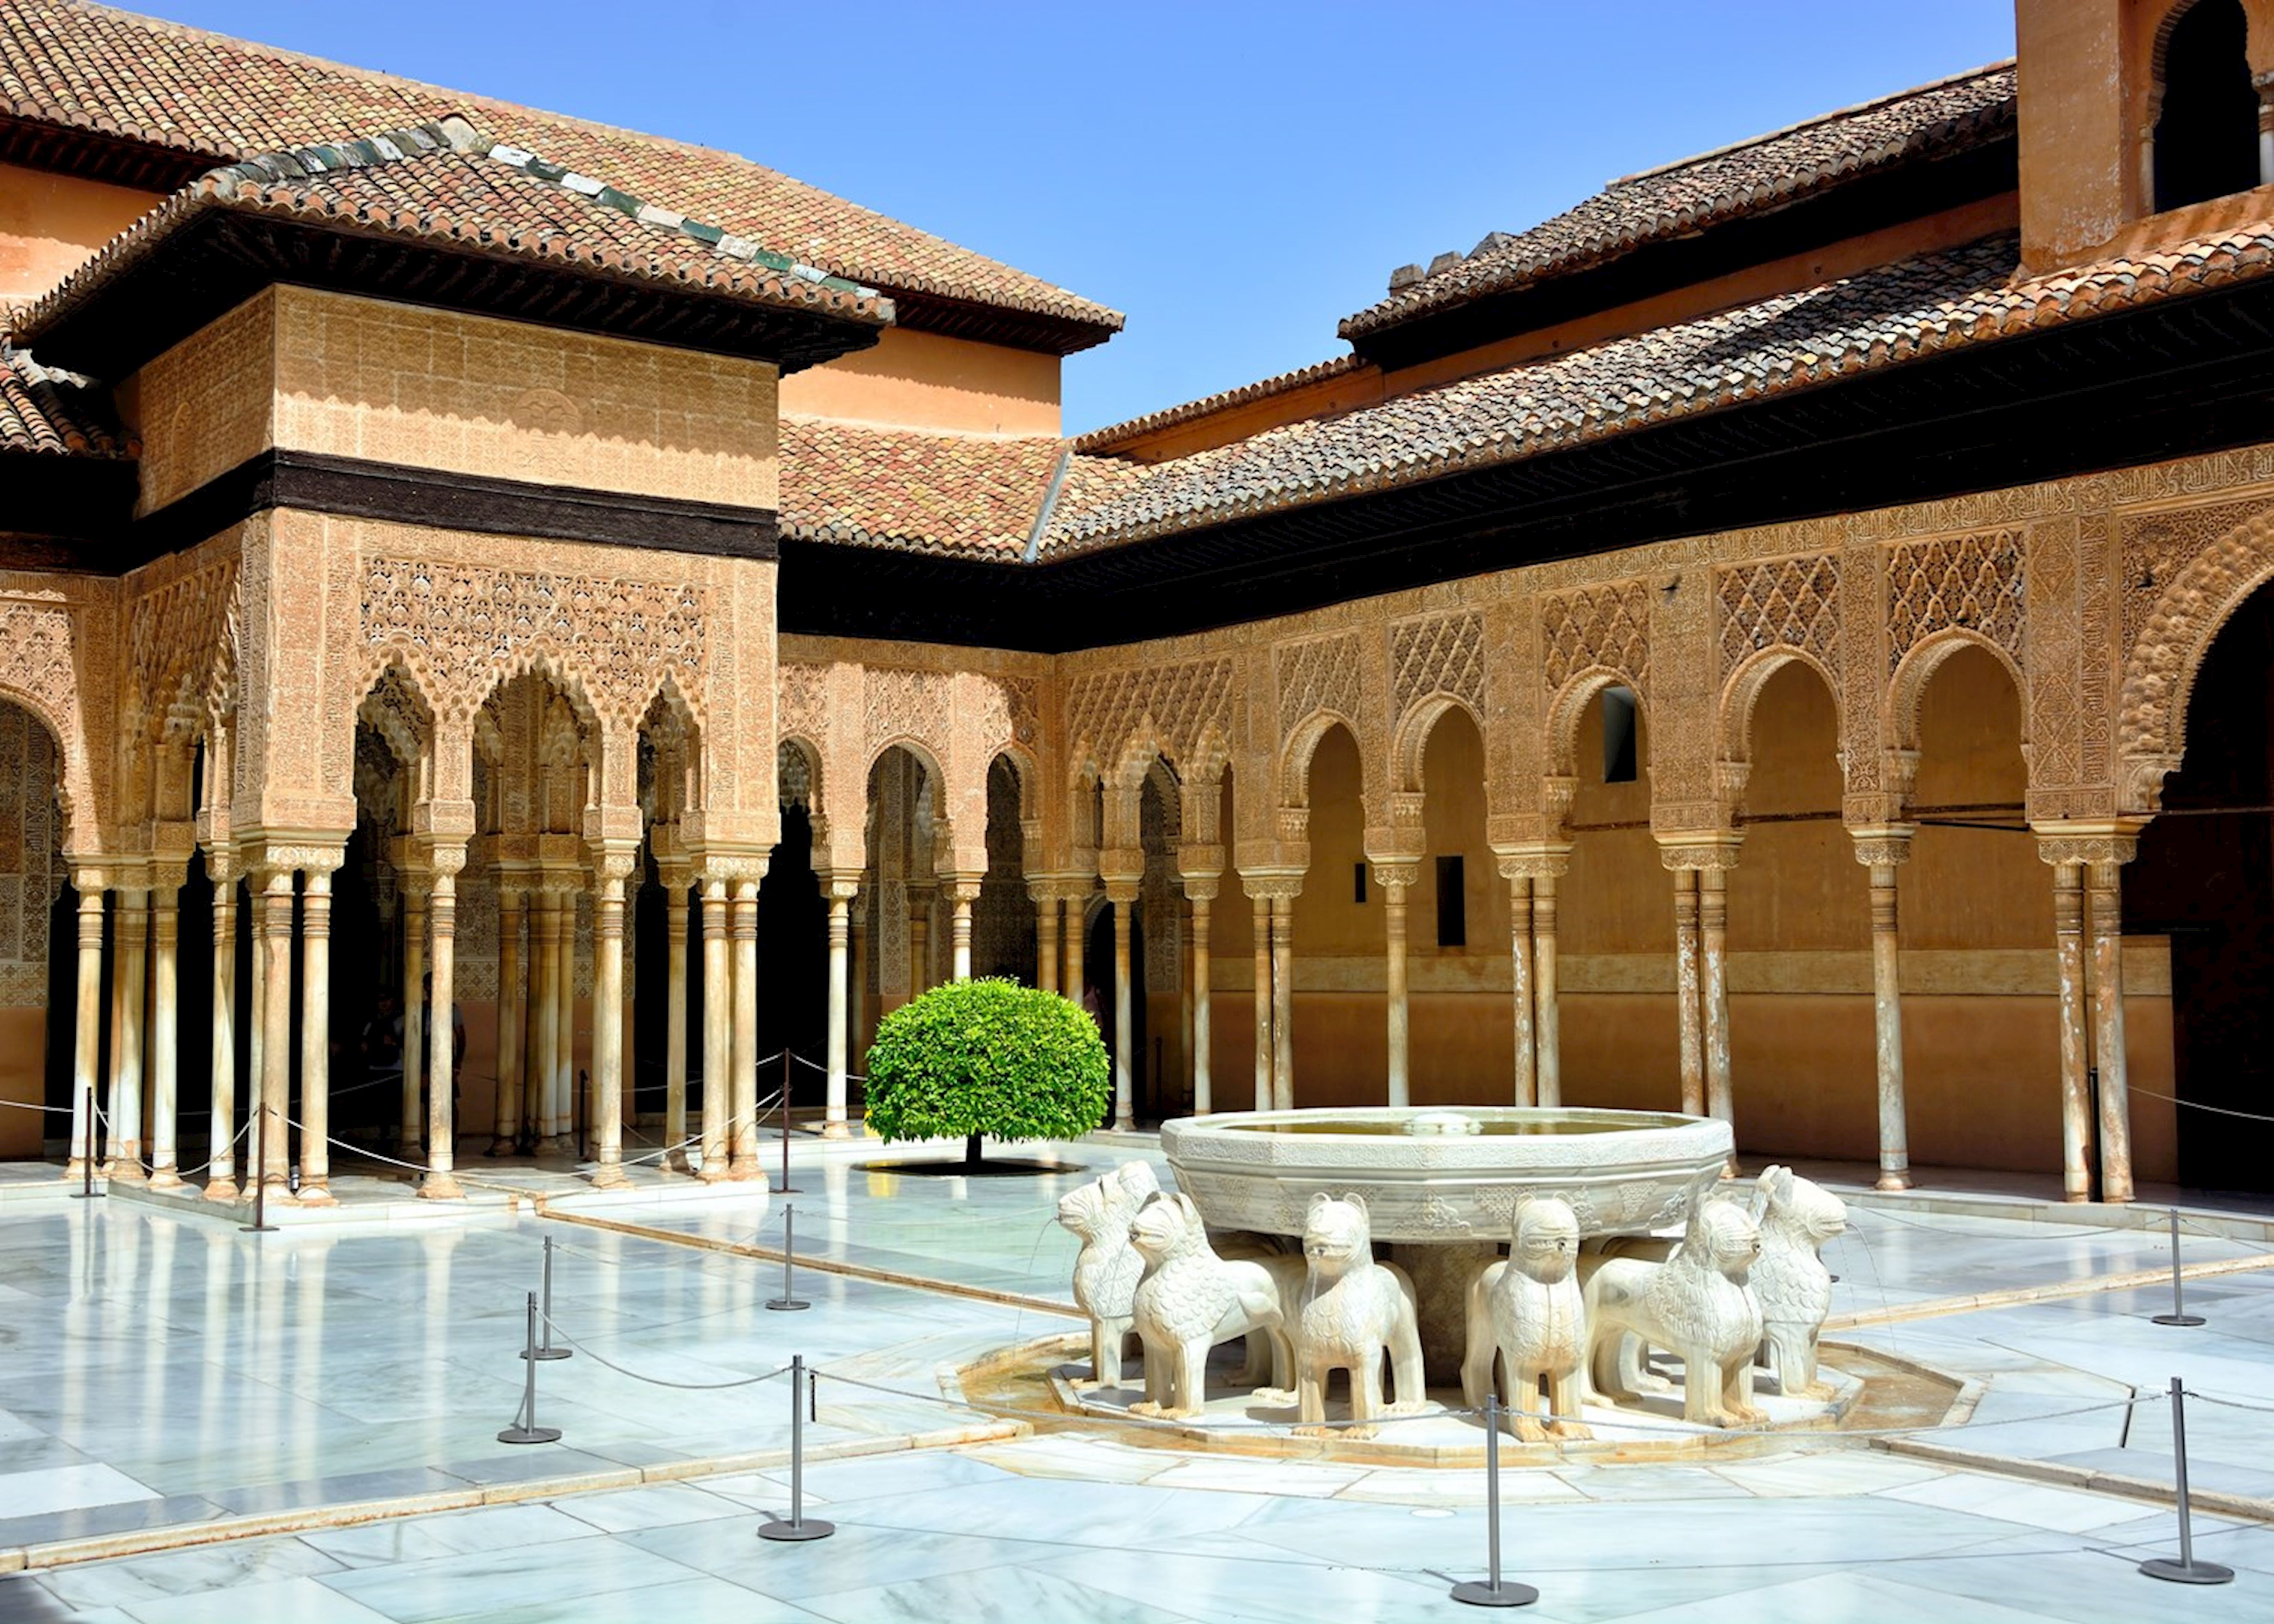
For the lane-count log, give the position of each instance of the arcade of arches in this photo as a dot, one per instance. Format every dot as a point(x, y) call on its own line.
point(1936, 835)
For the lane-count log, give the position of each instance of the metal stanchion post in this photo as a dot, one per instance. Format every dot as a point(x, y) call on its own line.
point(524, 1429)
point(86, 1190)
point(1493, 1593)
point(788, 1299)
point(797, 1527)
point(543, 1347)
point(2186, 1570)
point(260, 1174)
point(2179, 1314)
point(787, 1187)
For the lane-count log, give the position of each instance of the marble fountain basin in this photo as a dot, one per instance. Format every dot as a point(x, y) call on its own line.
point(1436, 1176)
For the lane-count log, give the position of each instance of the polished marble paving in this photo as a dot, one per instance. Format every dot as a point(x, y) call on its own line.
point(162, 1371)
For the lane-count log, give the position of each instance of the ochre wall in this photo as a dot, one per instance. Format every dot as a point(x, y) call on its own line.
point(49, 223)
point(926, 381)
point(391, 383)
point(23, 1051)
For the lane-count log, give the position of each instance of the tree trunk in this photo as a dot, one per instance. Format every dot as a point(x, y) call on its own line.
point(971, 1153)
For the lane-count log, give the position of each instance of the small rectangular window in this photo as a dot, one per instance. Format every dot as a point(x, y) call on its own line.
point(1453, 905)
point(1618, 735)
point(1359, 882)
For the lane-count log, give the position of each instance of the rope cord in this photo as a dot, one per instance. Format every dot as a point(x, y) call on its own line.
point(554, 1326)
point(2197, 1105)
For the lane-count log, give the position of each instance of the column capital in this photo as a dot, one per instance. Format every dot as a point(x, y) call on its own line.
point(1545, 860)
point(735, 867)
point(441, 857)
point(1060, 887)
point(1700, 848)
point(1200, 863)
point(2071, 842)
point(1395, 873)
point(614, 861)
point(1124, 865)
point(1882, 844)
point(1273, 884)
point(91, 879)
point(962, 888)
point(1201, 887)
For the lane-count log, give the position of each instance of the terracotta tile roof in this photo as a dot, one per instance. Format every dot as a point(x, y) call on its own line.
point(1876, 319)
point(1934, 120)
point(446, 183)
point(88, 67)
point(948, 493)
point(44, 411)
point(1208, 405)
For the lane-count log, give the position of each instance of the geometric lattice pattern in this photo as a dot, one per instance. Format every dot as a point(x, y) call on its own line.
point(1442, 656)
point(1970, 581)
point(1607, 625)
point(1104, 708)
point(1321, 675)
point(1786, 603)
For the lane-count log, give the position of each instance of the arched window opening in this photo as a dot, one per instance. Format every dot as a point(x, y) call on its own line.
point(2207, 131)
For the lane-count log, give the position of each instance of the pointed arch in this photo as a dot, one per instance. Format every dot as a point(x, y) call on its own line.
point(2159, 668)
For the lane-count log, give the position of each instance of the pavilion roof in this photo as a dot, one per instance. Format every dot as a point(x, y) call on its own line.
point(977, 497)
point(45, 411)
point(159, 102)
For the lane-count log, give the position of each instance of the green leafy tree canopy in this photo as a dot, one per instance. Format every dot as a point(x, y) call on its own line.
point(987, 1057)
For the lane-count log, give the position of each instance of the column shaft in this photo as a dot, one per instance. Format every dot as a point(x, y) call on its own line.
point(165, 1029)
point(512, 1020)
point(2104, 902)
point(2075, 1042)
point(840, 936)
point(441, 1183)
point(718, 1030)
point(1519, 957)
point(1283, 1003)
point(1077, 920)
point(544, 947)
point(1125, 1116)
point(274, 1129)
point(1547, 1022)
point(608, 1032)
point(315, 1038)
point(1887, 1016)
point(1714, 994)
point(86, 1030)
point(221, 1170)
point(1393, 920)
point(414, 1015)
point(1046, 942)
point(1265, 1053)
point(1203, 1088)
point(959, 901)
point(1686, 992)
point(133, 981)
point(743, 1156)
point(674, 1021)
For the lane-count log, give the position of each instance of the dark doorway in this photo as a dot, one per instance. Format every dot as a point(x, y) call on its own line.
point(2205, 877)
point(793, 962)
point(2207, 133)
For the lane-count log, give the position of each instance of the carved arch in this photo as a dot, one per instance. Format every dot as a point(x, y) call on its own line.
point(1570, 704)
point(2159, 668)
point(1907, 687)
point(1303, 740)
point(1741, 694)
point(1410, 742)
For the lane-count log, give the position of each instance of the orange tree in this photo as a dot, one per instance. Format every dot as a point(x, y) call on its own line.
point(987, 1058)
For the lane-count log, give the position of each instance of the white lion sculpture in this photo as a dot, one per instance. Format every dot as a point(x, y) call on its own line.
point(1791, 1282)
point(1528, 1311)
point(1105, 1274)
point(1354, 1310)
point(1190, 1300)
point(1696, 1304)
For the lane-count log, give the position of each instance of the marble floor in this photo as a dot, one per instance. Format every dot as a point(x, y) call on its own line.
point(162, 1372)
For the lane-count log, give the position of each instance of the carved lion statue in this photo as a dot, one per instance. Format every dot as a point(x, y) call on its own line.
point(1188, 1301)
point(1794, 1287)
point(1105, 1274)
point(1529, 1312)
point(1696, 1304)
point(1354, 1310)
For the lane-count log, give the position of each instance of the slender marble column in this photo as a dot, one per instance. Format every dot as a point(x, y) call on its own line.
point(608, 1021)
point(1203, 896)
point(545, 942)
point(441, 1182)
point(86, 1031)
point(743, 1156)
point(919, 940)
point(1713, 996)
point(674, 1019)
point(1686, 994)
point(221, 1167)
point(859, 992)
point(717, 1032)
point(1122, 894)
point(165, 1028)
point(133, 978)
point(1526, 1089)
point(256, 1032)
point(2104, 905)
point(960, 895)
point(112, 1135)
point(276, 971)
point(416, 889)
point(1046, 941)
point(1882, 852)
point(1282, 1002)
point(841, 893)
point(1395, 879)
point(2075, 1042)
point(1546, 1014)
point(1077, 921)
point(512, 1018)
point(1264, 1048)
point(1185, 993)
point(315, 1037)
point(563, 1085)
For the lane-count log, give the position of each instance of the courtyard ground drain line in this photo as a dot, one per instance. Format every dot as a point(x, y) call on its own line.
point(355, 1514)
point(2060, 1475)
point(2082, 1285)
point(837, 1266)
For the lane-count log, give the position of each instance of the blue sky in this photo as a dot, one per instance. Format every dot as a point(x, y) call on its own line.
point(1236, 177)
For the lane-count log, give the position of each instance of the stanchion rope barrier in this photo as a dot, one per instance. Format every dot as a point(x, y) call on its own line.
point(553, 1326)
